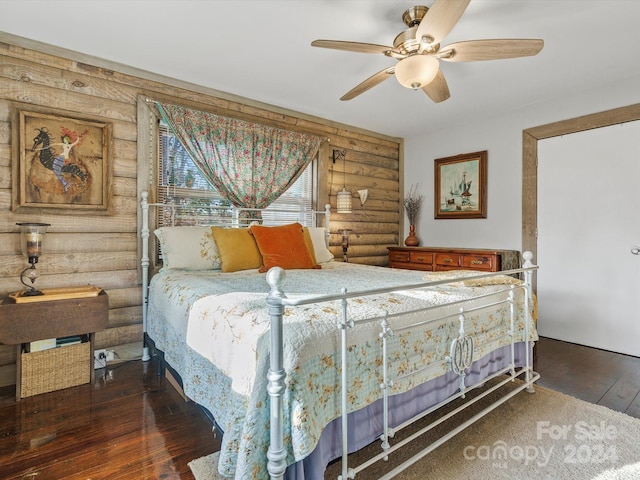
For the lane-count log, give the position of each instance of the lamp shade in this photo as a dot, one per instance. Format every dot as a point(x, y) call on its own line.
point(417, 71)
point(32, 238)
point(343, 202)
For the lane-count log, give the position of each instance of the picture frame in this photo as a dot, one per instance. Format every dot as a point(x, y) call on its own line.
point(62, 162)
point(461, 186)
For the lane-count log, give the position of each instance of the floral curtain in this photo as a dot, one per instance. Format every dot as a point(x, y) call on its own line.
point(250, 164)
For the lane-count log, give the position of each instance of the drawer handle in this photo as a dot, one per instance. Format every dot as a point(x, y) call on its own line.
point(477, 262)
point(447, 260)
point(420, 259)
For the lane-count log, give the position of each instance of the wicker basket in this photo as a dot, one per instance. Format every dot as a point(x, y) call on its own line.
point(56, 368)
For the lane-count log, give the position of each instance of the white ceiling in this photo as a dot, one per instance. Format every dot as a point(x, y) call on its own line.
point(261, 50)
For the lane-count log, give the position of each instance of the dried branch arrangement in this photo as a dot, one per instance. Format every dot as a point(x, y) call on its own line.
point(412, 203)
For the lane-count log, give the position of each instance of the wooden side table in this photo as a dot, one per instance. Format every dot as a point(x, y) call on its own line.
point(22, 323)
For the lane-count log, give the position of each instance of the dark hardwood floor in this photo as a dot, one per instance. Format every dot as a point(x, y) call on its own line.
point(596, 376)
point(130, 424)
point(133, 425)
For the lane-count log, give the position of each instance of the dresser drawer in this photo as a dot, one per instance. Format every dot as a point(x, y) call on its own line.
point(479, 262)
point(448, 259)
point(425, 258)
point(399, 257)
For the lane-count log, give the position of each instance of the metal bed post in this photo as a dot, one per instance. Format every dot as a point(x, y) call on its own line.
point(528, 296)
point(327, 219)
point(343, 325)
point(387, 384)
point(276, 455)
point(144, 263)
point(512, 328)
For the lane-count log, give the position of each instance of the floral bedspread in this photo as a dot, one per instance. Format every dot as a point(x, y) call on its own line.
point(214, 329)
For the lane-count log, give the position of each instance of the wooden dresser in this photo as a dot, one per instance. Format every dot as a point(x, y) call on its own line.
point(438, 259)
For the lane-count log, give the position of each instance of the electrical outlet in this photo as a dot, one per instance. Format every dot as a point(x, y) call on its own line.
point(99, 358)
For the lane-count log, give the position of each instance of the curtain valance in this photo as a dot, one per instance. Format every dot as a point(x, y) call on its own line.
point(250, 164)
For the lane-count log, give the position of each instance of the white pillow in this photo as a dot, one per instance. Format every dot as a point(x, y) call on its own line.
point(188, 248)
point(323, 255)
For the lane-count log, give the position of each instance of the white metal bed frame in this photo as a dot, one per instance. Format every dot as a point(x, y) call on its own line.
point(459, 359)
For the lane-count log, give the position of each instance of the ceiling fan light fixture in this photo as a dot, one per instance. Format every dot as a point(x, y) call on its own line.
point(418, 50)
point(417, 71)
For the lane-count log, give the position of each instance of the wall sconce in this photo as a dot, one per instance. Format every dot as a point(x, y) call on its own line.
point(363, 194)
point(345, 244)
point(343, 198)
point(32, 236)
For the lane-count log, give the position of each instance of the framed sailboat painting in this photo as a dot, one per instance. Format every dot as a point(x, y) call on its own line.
point(461, 186)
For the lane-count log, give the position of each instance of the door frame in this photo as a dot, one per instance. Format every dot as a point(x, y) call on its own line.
point(530, 137)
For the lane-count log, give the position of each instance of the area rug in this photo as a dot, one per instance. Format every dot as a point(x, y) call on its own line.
point(542, 436)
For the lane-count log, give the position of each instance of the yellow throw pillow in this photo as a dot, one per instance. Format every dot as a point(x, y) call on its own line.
point(237, 249)
point(283, 246)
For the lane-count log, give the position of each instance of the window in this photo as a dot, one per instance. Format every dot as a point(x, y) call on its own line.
point(181, 183)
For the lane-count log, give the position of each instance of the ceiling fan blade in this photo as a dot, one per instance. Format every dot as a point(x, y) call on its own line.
point(477, 50)
point(370, 82)
point(440, 19)
point(437, 89)
point(352, 46)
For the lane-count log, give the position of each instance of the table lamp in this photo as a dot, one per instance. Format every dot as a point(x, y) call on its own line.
point(32, 235)
point(345, 244)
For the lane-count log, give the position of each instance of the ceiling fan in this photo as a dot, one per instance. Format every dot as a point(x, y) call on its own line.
point(418, 50)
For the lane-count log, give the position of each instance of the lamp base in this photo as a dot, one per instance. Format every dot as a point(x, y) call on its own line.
point(32, 274)
point(32, 293)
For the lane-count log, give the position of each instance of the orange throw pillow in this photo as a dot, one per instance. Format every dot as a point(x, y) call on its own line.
point(283, 246)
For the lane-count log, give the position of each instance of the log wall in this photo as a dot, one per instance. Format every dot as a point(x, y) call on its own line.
point(88, 248)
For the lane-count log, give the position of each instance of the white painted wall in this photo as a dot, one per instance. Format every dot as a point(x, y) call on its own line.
point(502, 137)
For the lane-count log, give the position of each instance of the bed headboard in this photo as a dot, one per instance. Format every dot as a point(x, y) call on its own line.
point(221, 216)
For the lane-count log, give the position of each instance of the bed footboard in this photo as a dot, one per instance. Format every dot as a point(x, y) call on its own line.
point(459, 359)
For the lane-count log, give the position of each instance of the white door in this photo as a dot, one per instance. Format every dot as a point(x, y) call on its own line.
point(588, 225)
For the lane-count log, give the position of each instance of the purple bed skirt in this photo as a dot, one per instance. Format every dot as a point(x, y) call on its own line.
point(365, 425)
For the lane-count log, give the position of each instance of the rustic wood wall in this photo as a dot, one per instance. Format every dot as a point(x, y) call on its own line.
point(102, 250)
